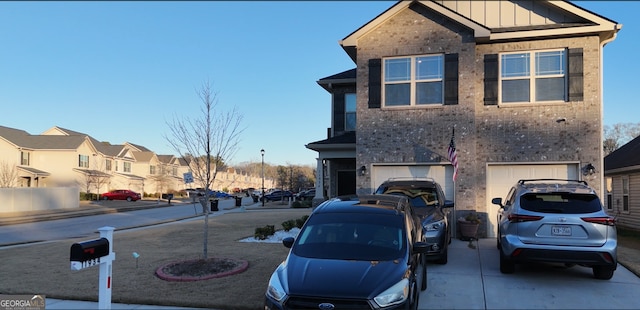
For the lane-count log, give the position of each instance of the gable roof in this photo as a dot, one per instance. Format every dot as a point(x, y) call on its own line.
point(23, 139)
point(502, 20)
point(624, 159)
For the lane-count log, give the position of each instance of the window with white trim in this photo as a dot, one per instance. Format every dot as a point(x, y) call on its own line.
point(83, 161)
point(25, 158)
point(126, 166)
point(533, 76)
point(413, 81)
point(107, 164)
point(350, 112)
point(625, 194)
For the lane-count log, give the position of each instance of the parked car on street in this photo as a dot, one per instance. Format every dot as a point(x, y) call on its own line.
point(276, 195)
point(360, 253)
point(121, 194)
point(429, 204)
point(306, 194)
point(562, 221)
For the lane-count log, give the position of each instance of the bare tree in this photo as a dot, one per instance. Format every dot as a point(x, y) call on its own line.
point(209, 138)
point(8, 175)
point(617, 135)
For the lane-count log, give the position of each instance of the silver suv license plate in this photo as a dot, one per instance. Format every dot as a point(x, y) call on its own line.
point(561, 230)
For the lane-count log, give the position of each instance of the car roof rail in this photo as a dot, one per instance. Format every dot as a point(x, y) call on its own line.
point(395, 201)
point(411, 179)
point(523, 181)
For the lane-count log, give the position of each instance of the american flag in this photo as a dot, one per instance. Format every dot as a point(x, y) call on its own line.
point(453, 155)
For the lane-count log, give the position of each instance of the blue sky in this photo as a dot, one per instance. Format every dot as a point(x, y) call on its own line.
point(119, 71)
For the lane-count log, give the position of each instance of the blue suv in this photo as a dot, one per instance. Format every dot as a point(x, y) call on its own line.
point(353, 254)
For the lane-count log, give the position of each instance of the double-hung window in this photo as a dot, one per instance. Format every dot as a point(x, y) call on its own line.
point(24, 158)
point(350, 112)
point(83, 161)
point(533, 76)
point(126, 166)
point(413, 81)
point(625, 194)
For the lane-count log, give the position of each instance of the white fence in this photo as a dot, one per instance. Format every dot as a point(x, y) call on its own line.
point(38, 198)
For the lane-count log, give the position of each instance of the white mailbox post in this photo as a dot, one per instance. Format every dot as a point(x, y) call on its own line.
point(97, 252)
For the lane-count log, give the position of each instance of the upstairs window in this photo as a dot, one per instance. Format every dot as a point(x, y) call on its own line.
point(126, 166)
point(625, 194)
point(83, 161)
point(350, 112)
point(533, 76)
point(413, 81)
point(152, 169)
point(24, 158)
point(107, 164)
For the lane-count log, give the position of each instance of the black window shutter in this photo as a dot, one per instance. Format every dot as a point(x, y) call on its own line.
point(576, 75)
point(338, 112)
point(375, 82)
point(491, 79)
point(450, 79)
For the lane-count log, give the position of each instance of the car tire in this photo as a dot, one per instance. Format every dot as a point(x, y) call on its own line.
point(105, 198)
point(129, 199)
point(603, 272)
point(506, 264)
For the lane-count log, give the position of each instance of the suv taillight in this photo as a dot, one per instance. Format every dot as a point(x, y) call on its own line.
point(604, 220)
point(517, 218)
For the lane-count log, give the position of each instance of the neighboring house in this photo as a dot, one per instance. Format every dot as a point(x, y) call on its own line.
point(622, 175)
point(519, 81)
point(61, 157)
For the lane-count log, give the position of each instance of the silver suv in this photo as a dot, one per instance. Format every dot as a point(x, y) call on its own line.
point(551, 220)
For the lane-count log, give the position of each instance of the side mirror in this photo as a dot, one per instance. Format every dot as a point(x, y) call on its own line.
point(497, 201)
point(288, 242)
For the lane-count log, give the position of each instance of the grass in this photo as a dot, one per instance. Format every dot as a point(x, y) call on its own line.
point(45, 268)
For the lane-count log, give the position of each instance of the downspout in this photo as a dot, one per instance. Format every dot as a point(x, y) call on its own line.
point(604, 42)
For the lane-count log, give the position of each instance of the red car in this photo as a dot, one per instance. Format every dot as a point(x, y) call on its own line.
point(121, 194)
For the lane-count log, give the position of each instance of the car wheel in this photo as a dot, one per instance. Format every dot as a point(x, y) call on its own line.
point(105, 198)
point(498, 245)
point(129, 199)
point(603, 272)
point(506, 264)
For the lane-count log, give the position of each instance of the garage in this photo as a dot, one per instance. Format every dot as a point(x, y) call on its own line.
point(441, 173)
point(500, 178)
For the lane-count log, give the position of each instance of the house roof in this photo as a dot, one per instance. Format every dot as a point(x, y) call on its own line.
point(521, 19)
point(345, 77)
point(624, 159)
point(23, 139)
point(344, 141)
point(33, 171)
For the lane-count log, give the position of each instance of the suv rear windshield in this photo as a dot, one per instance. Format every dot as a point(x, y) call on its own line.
point(352, 236)
point(563, 203)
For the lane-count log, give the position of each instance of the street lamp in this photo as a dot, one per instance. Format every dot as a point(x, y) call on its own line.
point(262, 153)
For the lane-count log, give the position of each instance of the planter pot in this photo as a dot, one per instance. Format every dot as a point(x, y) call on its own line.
point(468, 230)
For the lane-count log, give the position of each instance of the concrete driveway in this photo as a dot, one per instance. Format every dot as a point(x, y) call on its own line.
point(472, 280)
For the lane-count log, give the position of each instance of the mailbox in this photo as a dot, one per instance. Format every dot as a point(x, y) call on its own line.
point(89, 250)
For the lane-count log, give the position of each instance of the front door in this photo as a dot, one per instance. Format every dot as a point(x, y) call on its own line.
point(346, 182)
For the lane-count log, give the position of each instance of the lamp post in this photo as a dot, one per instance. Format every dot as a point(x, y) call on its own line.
point(262, 153)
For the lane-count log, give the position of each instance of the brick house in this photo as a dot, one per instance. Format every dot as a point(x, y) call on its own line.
point(622, 179)
point(519, 82)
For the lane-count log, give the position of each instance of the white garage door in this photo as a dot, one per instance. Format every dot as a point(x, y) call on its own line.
point(442, 175)
point(500, 178)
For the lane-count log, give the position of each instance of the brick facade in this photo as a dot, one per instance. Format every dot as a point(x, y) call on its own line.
point(529, 133)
